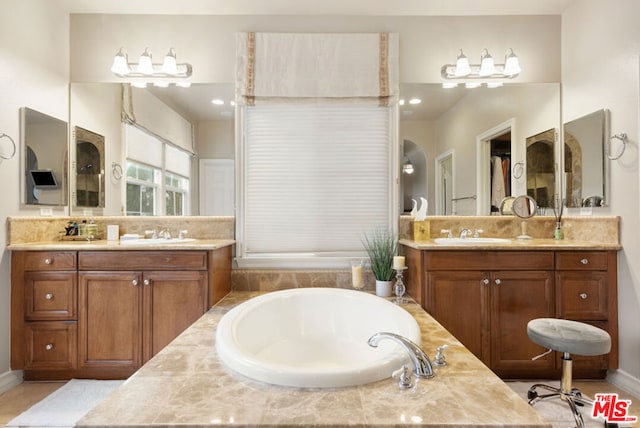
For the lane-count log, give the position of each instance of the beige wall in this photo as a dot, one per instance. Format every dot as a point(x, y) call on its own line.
point(34, 72)
point(600, 47)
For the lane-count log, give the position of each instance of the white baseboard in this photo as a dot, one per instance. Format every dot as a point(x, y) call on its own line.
point(624, 381)
point(10, 379)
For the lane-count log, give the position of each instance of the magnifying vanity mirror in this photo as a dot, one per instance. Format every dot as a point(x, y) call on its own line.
point(585, 166)
point(525, 207)
point(44, 156)
point(88, 169)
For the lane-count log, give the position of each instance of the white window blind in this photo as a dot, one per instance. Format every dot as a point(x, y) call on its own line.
point(316, 178)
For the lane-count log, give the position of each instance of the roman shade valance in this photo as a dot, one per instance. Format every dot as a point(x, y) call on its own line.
point(290, 67)
point(143, 110)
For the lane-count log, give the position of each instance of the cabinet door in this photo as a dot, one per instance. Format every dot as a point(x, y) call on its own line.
point(173, 301)
point(110, 320)
point(516, 298)
point(459, 301)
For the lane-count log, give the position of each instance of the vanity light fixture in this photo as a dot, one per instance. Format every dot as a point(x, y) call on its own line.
point(484, 72)
point(170, 71)
point(407, 168)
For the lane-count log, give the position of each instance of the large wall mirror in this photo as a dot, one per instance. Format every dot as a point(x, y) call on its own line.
point(44, 166)
point(485, 140)
point(585, 164)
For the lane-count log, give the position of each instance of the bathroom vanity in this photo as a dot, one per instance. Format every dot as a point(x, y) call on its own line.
point(101, 310)
point(486, 294)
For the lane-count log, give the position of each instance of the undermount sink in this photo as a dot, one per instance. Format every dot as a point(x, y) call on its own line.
point(471, 241)
point(155, 241)
point(314, 338)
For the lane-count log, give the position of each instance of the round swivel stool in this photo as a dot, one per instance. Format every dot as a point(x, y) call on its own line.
point(568, 337)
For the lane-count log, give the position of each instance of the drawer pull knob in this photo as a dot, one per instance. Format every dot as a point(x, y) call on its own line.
point(48, 261)
point(497, 281)
point(48, 346)
point(583, 296)
point(48, 296)
point(584, 261)
point(147, 282)
point(485, 281)
point(134, 282)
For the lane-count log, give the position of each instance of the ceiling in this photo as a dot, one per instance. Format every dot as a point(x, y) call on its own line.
point(320, 7)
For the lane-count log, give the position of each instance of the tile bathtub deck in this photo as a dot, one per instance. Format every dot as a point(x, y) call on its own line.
point(186, 384)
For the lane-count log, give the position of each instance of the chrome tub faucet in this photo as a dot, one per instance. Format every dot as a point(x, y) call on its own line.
point(421, 364)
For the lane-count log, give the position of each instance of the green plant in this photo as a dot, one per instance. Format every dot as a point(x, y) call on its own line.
point(381, 245)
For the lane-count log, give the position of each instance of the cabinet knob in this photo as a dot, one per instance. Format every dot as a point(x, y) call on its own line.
point(146, 282)
point(485, 281)
point(48, 261)
point(497, 281)
point(48, 296)
point(584, 261)
point(134, 282)
point(48, 346)
point(583, 296)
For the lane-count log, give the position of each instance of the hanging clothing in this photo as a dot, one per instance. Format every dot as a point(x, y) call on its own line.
point(498, 191)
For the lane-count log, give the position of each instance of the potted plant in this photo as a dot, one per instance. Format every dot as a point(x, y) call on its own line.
point(381, 246)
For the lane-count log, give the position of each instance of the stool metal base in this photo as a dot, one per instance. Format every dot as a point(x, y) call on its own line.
point(572, 396)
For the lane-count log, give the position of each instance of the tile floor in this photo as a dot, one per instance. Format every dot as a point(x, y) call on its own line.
point(23, 396)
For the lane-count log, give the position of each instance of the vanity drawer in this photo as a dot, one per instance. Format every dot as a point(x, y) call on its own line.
point(582, 295)
point(51, 345)
point(49, 260)
point(489, 260)
point(581, 260)
point(142, 260)
point(50, 295)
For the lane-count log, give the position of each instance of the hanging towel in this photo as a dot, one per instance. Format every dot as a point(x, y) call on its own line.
point(497, 182)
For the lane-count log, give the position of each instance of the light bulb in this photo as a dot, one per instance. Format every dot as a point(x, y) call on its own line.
point(449, 85)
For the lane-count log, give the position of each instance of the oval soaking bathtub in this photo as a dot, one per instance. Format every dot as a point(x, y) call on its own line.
point(314, 338)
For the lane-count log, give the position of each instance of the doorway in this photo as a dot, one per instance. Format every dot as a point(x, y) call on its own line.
point(493, 184)
point(444, 184)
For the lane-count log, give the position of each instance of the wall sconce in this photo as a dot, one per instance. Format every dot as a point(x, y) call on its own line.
point(159, 74)
point(407, 168)
point(484, 72)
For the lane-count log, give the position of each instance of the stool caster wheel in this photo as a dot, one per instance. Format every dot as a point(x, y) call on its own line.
point(532, 394)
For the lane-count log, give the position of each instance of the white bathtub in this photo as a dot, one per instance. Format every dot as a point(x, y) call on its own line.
point(314, 337)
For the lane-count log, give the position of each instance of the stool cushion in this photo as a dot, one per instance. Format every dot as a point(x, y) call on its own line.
point(569, 336)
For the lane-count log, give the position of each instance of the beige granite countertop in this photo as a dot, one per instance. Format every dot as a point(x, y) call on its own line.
point(186, 385)
point(99, 245)
point(515, 244)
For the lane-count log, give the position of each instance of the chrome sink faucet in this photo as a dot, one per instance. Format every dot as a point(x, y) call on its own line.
point(165, 233)
point(421, 364)
point(465, 232)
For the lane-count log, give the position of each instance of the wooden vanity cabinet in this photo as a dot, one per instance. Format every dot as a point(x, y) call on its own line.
point(127, 316)
point(102, 314)
point(486, 298)
point(488, 310)
point(43, 315)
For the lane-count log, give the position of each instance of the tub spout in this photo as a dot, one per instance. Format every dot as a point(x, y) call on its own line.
point(421, 364)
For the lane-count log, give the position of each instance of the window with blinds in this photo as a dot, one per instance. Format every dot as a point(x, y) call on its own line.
point(314, 179)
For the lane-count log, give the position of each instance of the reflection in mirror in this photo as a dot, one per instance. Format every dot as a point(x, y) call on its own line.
point(414, 174)
point(585, 170)
point(541, 167)
point(44, 159)
point(525, 207)
point(89, 168)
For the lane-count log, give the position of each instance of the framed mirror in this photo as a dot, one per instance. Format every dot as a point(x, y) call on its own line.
point(585, 167)
point(88, 168)
point(44, 163)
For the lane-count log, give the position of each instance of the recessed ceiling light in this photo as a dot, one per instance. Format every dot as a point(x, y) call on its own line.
point(217, 101)
point(415, 101)
point(401, 101)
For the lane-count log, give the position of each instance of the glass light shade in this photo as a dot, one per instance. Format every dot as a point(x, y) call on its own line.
point(512, 65)
point(170, 65)
point(462, 66)
point(472, 85)
point(407, 168)
point(145, 64)
point(161, 84)
point(487, 66)
point(120, 64)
